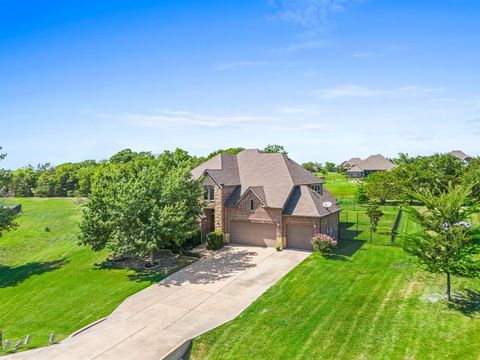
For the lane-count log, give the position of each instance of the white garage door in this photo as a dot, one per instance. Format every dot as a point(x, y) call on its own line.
point(248, 233)
point(299, 236)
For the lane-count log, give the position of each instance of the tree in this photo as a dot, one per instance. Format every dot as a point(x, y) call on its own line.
point(381, 186)
point(374, 214)
point(137, 209)
point(361, 196)
point(127, 155)
point(24, 181)
point(274, 148)
point(7, 217)
point(312, 166)
point(234, 150)
point(447, 242)
point(329, 166)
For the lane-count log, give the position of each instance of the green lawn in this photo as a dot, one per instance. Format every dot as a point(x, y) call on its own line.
point(50, 284)
point(376, 304)
point(354, 222)
point(370, 302)
point(340, 186)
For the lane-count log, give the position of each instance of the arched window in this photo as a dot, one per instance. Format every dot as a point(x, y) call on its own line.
point(252, 205)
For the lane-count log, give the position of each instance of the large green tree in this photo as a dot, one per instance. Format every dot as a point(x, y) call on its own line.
point(135, 209)
point(447, 243)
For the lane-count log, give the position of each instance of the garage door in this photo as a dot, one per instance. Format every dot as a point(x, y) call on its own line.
point(252, 234)
point(299, 236)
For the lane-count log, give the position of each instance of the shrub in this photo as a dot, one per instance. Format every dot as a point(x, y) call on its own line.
point(324, 244)
point(215, 240)
point(194, 240)
point(278, 246)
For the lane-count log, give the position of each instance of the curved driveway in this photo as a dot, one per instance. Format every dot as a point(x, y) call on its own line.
point(198, 298)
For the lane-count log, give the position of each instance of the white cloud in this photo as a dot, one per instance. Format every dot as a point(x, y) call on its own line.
point(353, 90)
point(237, 64)
point(166, 118)
point(315, 44)
point(368, 54)
point(307, 13)
point(299, 109)
point(179, 119)
point(314, 126)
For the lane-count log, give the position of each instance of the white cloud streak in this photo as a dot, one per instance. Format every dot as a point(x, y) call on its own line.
point(352, 90)
point(308, 45)
point(179, 119)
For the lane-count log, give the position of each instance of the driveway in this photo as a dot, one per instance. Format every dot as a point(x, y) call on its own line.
point(198, 298)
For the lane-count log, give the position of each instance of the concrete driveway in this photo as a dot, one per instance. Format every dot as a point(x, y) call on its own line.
point(198, 298)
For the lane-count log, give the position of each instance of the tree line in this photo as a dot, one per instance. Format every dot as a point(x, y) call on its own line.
point(76, 179)
point(421, 173)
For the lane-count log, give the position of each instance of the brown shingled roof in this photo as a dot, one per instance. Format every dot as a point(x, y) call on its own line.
point(352, 162)
point(375, 163)
point(459, 154)
point(274, 177)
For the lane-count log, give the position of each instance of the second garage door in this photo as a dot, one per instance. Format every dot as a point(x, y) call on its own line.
point(247, 233)
point(299, 236)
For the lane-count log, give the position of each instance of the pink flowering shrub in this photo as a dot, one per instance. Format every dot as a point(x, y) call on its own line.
point(324, 244)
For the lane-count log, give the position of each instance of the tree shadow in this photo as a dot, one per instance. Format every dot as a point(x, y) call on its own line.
point(166, 263)
point(346, 249)
point(222, 264)
point(14, 275)
point(467, 302)
point(348, 231)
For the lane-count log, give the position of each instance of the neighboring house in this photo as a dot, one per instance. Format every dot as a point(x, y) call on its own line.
point(264, 199)
point(371, 164)
point(351, 163)
point(461, 156)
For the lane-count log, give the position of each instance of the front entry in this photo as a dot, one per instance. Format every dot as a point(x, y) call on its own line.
point(247, 233)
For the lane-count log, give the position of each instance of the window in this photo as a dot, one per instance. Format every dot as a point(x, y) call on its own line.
point(317, 188)
point(209, 193)
point(252, 205)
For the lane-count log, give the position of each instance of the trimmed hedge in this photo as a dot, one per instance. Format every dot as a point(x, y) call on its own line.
point(215, 240)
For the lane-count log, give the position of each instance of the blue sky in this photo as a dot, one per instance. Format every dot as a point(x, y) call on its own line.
point(329, 79)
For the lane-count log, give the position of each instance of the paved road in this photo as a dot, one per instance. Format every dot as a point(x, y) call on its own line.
point(198, 298)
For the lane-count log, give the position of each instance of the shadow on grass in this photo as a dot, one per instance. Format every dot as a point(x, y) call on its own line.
point(346, 249)
point(14, 275)
point(348, 231)
point(467, 302)
point(166, 264)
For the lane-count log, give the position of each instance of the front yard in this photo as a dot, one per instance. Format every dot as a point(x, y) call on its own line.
point(50, 284)
point(376, 304)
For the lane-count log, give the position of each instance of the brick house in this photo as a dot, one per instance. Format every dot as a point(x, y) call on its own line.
point(263, 199)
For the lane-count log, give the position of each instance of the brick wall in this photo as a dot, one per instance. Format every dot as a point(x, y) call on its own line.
point(242, 212)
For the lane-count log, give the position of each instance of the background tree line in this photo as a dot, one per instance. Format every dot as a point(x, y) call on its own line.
point(76, 179)
point(433, 173)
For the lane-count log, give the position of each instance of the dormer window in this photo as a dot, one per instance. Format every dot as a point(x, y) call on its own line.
point(252, 205)
point(209, 193)
point(317, 188)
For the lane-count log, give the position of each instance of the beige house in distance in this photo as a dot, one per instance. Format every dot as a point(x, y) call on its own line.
point(264, 199)
point(370, 165)
point(460, 155)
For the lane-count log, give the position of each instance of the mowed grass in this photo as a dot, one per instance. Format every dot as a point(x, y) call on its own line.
point(48, 283)
point(354, 222)
point(376, 304)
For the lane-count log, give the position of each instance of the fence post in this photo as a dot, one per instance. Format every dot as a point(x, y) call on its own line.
point(357, 226)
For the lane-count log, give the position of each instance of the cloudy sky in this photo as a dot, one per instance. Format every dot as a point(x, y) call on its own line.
point(329, 79)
